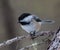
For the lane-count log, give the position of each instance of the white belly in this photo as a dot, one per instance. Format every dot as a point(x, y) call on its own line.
point(28, 28)
point(33, 26)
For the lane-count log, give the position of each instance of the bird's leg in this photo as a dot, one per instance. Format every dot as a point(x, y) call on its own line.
point(32, 34)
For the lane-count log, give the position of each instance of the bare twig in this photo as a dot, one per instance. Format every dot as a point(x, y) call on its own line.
point(12, 40)
point(55, 44)
point(32, 45)
point(8, 42)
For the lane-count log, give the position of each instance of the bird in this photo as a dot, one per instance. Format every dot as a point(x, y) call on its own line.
point(31, 23)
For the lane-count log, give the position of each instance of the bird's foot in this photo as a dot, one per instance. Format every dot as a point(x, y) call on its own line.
point(32, 36)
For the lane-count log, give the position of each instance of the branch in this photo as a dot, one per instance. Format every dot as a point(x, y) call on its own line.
point(55, 44)
point(32, 45)
point(8, 42)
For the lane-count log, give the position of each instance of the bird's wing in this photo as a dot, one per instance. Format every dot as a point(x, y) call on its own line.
point(37, 19)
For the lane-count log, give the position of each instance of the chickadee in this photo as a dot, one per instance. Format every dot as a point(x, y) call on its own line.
point(31, 23)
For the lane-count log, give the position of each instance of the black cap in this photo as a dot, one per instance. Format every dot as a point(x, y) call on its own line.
point(22, 16)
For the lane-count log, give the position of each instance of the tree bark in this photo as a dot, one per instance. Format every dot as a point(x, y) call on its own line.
point(9, 22)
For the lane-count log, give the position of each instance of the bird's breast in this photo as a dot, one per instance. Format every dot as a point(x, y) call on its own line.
point(33, 26)
point(28, 28)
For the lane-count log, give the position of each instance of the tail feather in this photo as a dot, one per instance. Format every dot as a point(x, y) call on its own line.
point(48, 21)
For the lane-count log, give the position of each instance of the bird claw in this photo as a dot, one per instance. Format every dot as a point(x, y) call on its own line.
point(33, 36)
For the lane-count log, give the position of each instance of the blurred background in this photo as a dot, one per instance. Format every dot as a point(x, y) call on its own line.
point(10, 10)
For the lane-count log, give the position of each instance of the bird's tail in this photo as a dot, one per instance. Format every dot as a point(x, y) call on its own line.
point(48, 22)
